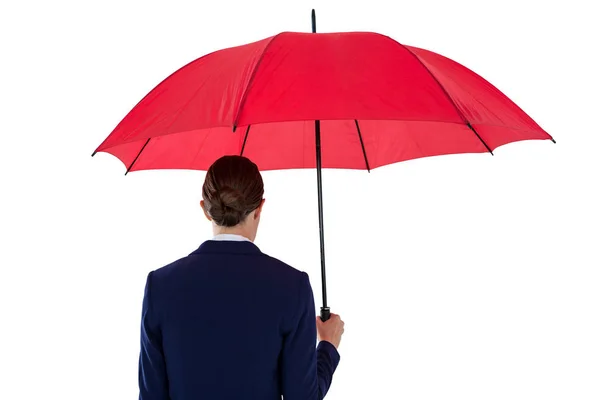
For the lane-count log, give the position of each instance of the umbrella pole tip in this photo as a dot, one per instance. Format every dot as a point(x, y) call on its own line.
point(553, 141)
point(94, 153)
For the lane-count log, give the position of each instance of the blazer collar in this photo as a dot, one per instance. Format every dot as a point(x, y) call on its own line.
point(227, 247)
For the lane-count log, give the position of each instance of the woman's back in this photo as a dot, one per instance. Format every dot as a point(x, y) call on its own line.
point(229, 322)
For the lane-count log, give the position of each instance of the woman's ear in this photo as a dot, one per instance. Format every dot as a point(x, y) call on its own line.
point(203, 205)
point(259, 209)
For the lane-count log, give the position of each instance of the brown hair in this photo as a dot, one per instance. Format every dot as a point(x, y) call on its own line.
point(232, 189)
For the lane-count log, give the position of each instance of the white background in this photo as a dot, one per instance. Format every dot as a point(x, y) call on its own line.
point(467, 276)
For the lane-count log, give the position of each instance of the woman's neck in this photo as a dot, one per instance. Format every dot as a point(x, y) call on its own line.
point(234, 230)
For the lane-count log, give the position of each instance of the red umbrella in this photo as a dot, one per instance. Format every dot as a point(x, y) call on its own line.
point(363, 98)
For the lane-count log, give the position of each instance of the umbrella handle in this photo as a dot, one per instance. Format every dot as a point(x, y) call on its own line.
point(325, 313)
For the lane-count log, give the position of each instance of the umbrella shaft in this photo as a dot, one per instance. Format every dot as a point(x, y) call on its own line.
point(320, 200)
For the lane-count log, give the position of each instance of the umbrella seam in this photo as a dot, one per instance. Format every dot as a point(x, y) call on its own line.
point(201, 145)
point(460, 113)
point(251, 80)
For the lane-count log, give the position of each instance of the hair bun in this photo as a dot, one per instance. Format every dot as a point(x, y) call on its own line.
point(229, 210)
point(232, 189)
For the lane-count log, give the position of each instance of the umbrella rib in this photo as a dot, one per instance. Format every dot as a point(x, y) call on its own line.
point(460, 113)
point(138, 156)
point(362, 144)
point(245, 139)
point(475, 132)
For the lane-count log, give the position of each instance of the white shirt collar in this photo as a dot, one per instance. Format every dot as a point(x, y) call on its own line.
point(230, 237)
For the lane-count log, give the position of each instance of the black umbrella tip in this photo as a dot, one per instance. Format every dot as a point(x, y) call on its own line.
point(94, 153)
point(553, 141)
point(234, 128)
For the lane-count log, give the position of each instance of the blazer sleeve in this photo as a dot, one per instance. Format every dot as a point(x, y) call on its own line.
point(153, 381)
point(306, 372)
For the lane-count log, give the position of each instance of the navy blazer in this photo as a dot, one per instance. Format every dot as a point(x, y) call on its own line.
point(229, 322)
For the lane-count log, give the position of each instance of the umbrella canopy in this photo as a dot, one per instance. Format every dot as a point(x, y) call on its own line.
point(379, 101)
point(354, 100)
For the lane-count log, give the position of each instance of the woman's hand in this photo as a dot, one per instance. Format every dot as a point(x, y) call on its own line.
point(332, 330)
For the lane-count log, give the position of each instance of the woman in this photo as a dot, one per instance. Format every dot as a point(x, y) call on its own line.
point(229, 322)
